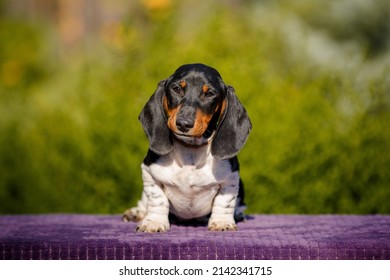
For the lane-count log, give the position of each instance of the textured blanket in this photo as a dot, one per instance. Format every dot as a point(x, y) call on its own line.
point(260, 237)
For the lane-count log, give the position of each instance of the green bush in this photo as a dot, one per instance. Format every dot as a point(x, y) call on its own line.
point(71, 141)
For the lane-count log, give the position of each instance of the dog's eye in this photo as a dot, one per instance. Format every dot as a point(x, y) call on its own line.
point(176, 89)
point(209, 94)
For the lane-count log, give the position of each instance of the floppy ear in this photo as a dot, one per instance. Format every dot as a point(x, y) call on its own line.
point(233, 129)
point(154, 122)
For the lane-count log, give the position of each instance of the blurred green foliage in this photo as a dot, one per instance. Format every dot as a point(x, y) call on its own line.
point(70, 140)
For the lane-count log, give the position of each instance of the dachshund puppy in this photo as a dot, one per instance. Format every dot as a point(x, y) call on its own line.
point(195, 125)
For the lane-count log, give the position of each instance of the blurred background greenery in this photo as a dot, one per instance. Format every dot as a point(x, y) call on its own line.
point(313, 75)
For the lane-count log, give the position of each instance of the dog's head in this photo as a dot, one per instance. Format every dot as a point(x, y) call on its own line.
point(195, 106)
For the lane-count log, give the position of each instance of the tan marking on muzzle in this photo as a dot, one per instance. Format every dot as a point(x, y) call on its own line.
point(202, 121)
point(171, 113)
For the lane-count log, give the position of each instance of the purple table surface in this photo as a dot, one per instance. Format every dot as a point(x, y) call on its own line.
point(75, 236)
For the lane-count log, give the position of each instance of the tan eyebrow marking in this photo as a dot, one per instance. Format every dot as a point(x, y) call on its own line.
point(183, 84)
point(205, 88)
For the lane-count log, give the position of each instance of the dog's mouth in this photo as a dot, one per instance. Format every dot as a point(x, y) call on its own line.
point(202, 134)
point(193, 140)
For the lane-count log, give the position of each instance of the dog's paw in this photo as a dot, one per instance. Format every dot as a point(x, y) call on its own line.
point(152, 226)
point(134, 214)
point(222, 225)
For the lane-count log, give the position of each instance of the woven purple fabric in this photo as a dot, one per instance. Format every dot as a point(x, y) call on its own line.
point(261, 237)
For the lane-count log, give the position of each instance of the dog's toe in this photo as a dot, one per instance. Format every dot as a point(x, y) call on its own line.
point(152, 226)
point(222, 226)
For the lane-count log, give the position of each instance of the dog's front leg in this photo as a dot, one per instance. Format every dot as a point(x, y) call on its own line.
point(157, 208)
point(222, 214)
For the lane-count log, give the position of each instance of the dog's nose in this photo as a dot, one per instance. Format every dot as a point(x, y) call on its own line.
point(184, 125)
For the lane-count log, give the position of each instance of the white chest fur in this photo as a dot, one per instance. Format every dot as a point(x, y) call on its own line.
point(190, 178)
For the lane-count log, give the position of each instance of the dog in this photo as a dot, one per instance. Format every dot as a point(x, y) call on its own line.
point(195, 125)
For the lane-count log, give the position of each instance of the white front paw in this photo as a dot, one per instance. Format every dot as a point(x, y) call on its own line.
point(222, 225)
point(153, 225)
